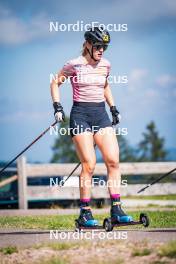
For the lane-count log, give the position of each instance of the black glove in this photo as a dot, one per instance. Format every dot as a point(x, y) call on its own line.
point(115, 115)
point(58, 112)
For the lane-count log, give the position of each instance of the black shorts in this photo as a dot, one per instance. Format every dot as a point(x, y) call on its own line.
point(88, 116)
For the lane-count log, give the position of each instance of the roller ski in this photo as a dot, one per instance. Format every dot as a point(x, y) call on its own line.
point(86, 221)
point(119, 218)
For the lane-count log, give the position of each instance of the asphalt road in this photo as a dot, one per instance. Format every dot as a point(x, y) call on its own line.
point(31, 237)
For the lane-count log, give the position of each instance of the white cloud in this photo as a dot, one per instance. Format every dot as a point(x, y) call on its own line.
point(14, 30)
point(142, 88)
point(138, 74)
point(136, 78)
point(154, 10)
point(151, 93)
point(136, 11)
point(166, 80)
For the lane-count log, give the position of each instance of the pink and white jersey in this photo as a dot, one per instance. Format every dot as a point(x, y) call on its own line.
point(87, 81)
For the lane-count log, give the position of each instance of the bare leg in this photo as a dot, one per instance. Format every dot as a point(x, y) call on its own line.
point(84, 144)
point(107, 142)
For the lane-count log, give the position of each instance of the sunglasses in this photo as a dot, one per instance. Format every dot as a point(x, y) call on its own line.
point(99, 46)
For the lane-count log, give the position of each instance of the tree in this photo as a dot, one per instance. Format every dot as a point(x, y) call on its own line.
point(151, 148)
point(127, 153)
point(63, 148)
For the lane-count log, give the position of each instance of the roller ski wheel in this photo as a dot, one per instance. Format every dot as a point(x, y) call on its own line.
point(110, 223)
point(107, 224)
point(77, 226)
point(144, 219)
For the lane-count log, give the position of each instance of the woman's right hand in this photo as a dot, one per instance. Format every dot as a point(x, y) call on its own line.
point(58, 112)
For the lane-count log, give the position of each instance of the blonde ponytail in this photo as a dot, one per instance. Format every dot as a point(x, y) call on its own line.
point(84, 49)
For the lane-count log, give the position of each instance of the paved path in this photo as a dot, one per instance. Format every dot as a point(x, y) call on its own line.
point(31, 237)
point(24, 237)
point(21, 212)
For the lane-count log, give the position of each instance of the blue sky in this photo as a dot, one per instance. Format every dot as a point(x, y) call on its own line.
point(29, 53)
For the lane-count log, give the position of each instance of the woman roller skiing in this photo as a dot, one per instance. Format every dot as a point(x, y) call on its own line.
point(89, 121)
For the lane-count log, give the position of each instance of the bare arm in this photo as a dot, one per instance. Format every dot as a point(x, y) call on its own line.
point(110, 101)
point(59, 112)
point(55, 84)
point(108, 95)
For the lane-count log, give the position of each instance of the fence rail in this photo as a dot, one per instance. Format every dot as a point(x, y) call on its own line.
point(25, 170)
point(134, 168)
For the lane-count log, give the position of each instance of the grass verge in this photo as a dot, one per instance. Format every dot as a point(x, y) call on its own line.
point(9, 250)
point(168, 250)
point(151, 197)
point(158, 219)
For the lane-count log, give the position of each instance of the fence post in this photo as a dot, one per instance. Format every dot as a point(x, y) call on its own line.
point(22, 183)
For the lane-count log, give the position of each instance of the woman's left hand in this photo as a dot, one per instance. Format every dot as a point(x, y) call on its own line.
point(116, 117)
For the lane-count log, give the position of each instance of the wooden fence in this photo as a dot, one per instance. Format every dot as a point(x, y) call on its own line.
point(25, 170)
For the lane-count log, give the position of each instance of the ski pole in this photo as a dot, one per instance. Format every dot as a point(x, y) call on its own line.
point(63, 182)
point(34, 141)
point(71, 173)
point(157, 180)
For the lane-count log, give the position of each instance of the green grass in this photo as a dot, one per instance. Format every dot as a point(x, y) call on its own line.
point(160, 206)
point(105, 261)
point(158, 219)
point(61, 245)
point(141, 252)
point(139, 249)
point(38, 222)
point(168, 250)
point(151, 197)
point(9, 250)
point(159, 262)
point(53, 260)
